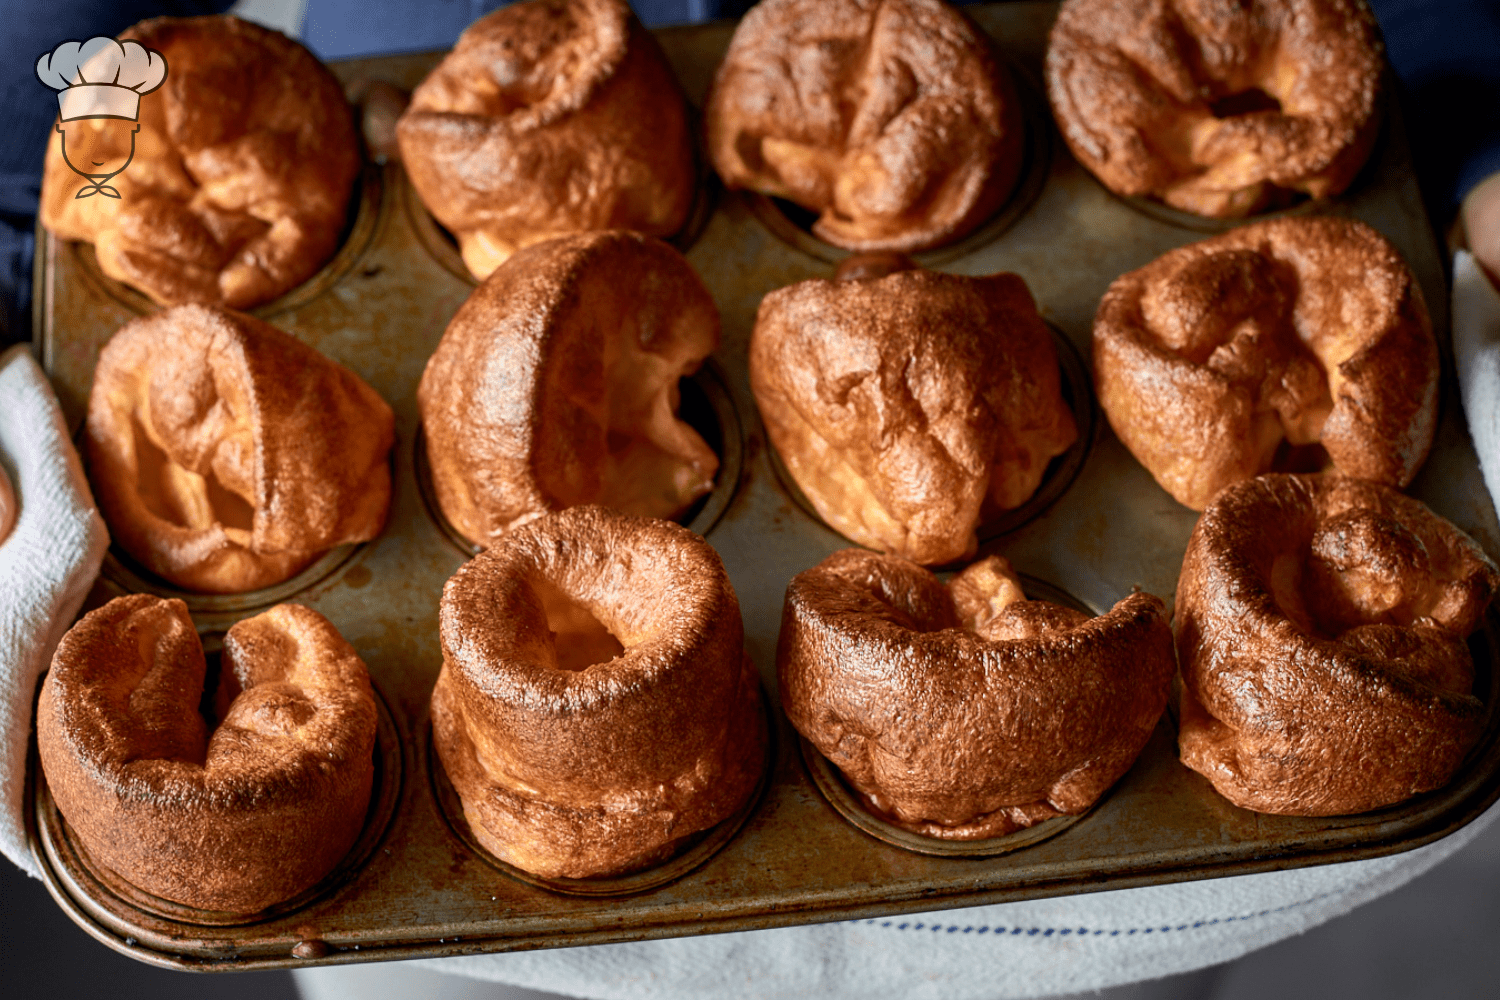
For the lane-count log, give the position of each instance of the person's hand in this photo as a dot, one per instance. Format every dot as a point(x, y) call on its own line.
point(1481, 216)
point(7, 505)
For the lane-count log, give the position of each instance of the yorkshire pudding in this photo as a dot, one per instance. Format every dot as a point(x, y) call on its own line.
point(1320, 627)
point(227, 455)
point(893, 120)
point(243, 168)
point(555, 384)
point(1214, 108)
point(907, 404)
point(966, 711)
point(548, 118)
point(235, 813)
point(1220, 360)
point(595, 705)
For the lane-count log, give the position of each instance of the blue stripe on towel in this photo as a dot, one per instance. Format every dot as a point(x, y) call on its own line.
point(906, 925)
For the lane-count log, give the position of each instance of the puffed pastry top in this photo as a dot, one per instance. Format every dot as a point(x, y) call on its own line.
point(226, 455)
point(556, 384)
point(965, 711)
point(893, 120)
point(244, 163)
point(907, 405)
point(1321, 627)
point(1222, 109)
point(1217, 358)
point(550, 117)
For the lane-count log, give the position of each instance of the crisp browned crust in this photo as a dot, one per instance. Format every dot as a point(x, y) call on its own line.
point(226, 455)
point(891, 119)
point(966, 711)
point(1136, 84)
point(905, 406)
point(1216, 357)
point(548, 118)
point(555, 384)
point(571, 764)
point(1320, 627)
point(233, 817)
point(243, 167)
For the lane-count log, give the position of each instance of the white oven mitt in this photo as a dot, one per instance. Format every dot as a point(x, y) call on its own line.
point(48, 561)
point(1033, 949)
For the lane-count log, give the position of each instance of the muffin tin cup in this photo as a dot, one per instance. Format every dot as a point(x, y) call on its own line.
point(1061, 471)
point(127, 576)
point(114, 900)
point(424, 893)
point(688, 854)
point(856, 808)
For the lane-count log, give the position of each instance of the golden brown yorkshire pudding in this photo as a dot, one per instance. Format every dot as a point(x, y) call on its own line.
point(595, 705)
point(1222, 109)
point(548, 118)
point(555, 384)
point(243, 168)
point(235, 813)
point(907, 405)
point(966, 711)
point(892, 119)
point(227, 455)
point(1320, 627)
point(1219, 360)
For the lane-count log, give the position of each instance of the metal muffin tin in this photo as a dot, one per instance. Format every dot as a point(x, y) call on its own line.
point(380, 307)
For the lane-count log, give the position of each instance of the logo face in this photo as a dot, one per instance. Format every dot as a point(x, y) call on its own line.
point(99, 84)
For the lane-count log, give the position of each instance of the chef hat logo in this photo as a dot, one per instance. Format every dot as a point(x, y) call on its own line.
point(102, 77)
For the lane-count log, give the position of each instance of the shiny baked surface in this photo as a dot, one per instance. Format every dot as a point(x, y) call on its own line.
point(1321, 626)
point(242, 174)
point(548, 118)
point(595, 704)
point(232, 813)
point(965, 711)
point(1215, 359)
point(555, 384)
point(908, 404)
point(226, 455)
point(893, 121)
point(1220, 109)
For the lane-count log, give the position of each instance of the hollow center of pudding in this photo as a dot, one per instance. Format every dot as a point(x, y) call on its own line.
point(581, 639)
point(182, 497)
point(1244, 102)
point(990, 603)
point(656, 465)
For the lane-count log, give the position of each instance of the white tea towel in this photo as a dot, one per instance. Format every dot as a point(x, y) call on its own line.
point(47, 564)
point(1476, 352)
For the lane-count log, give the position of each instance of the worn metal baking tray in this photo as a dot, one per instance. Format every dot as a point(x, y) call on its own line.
point(381, 306)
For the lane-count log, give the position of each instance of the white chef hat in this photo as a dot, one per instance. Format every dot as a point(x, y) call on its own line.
point(102, 77)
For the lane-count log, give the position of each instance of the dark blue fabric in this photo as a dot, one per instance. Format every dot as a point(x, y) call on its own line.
point(1447, 56)
point(344, 29)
